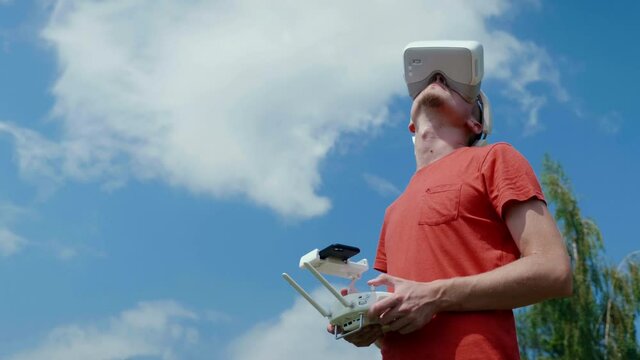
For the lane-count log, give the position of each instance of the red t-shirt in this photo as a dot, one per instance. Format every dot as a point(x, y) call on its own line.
point(449, 223)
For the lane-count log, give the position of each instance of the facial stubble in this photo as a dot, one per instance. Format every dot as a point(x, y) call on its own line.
point(432, 100)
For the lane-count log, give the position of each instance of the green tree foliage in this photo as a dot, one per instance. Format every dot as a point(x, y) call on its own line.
point(598, 321)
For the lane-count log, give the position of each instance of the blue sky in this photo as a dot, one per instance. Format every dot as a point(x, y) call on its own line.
point(164, 162)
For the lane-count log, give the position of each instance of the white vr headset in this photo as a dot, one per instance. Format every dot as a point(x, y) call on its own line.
point(462, 65)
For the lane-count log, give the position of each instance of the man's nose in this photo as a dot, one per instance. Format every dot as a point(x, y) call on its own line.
point(439, 78)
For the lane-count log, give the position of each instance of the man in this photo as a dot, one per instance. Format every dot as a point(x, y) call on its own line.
point(470, 239)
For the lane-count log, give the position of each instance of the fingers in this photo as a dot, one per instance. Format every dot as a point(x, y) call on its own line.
point(390, 316)
point(399, 323)
point(404, 324)
point(331, 329)
point(366, 336)
point(382, 306)
point(382, 279)
point(409, 328)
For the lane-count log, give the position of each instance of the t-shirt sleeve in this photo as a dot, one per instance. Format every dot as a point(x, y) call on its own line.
point(508, 176)
point(381, 255)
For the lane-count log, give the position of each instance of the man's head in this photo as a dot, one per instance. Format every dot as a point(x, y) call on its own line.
point(442, 108)
point(458, 67)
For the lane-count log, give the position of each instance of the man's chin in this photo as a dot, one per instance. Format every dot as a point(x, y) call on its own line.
point(432, 100)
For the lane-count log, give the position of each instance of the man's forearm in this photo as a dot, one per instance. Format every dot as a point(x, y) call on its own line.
point(543, 272)
point(523, 282)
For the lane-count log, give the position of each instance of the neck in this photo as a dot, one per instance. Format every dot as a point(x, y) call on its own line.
point(434, 143)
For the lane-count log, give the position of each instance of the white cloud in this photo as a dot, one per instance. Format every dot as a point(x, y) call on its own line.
point(10, 213)
point(298, 333)
point(382, 186)
point(520, 64)
point(39, 157)
point(70, 249)
point(610, 123)
point(150, 329)
point(215, 316)
point(243, 98)
point(66, 253)
point(10, 243)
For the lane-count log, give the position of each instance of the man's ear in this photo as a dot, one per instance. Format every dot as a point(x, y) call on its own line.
point(474, 125)
point(412, 127)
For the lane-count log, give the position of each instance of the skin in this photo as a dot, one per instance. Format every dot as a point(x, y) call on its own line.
point(365, 337)
point(442, 122)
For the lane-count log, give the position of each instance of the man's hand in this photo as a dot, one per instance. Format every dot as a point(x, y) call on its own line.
point(543, 271)
point(409, 308)
point(363, 338)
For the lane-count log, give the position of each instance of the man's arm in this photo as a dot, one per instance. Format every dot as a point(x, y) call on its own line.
point(543, 272)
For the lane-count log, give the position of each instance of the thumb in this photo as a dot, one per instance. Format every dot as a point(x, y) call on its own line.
point(382, 279)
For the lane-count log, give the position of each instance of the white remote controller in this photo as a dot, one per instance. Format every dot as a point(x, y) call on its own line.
point(349, 312)
point(351, 320)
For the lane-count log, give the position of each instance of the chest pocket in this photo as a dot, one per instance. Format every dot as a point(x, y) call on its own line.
point(440, 204)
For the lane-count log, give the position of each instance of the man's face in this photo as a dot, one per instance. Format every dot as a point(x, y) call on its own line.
point(437, 96)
